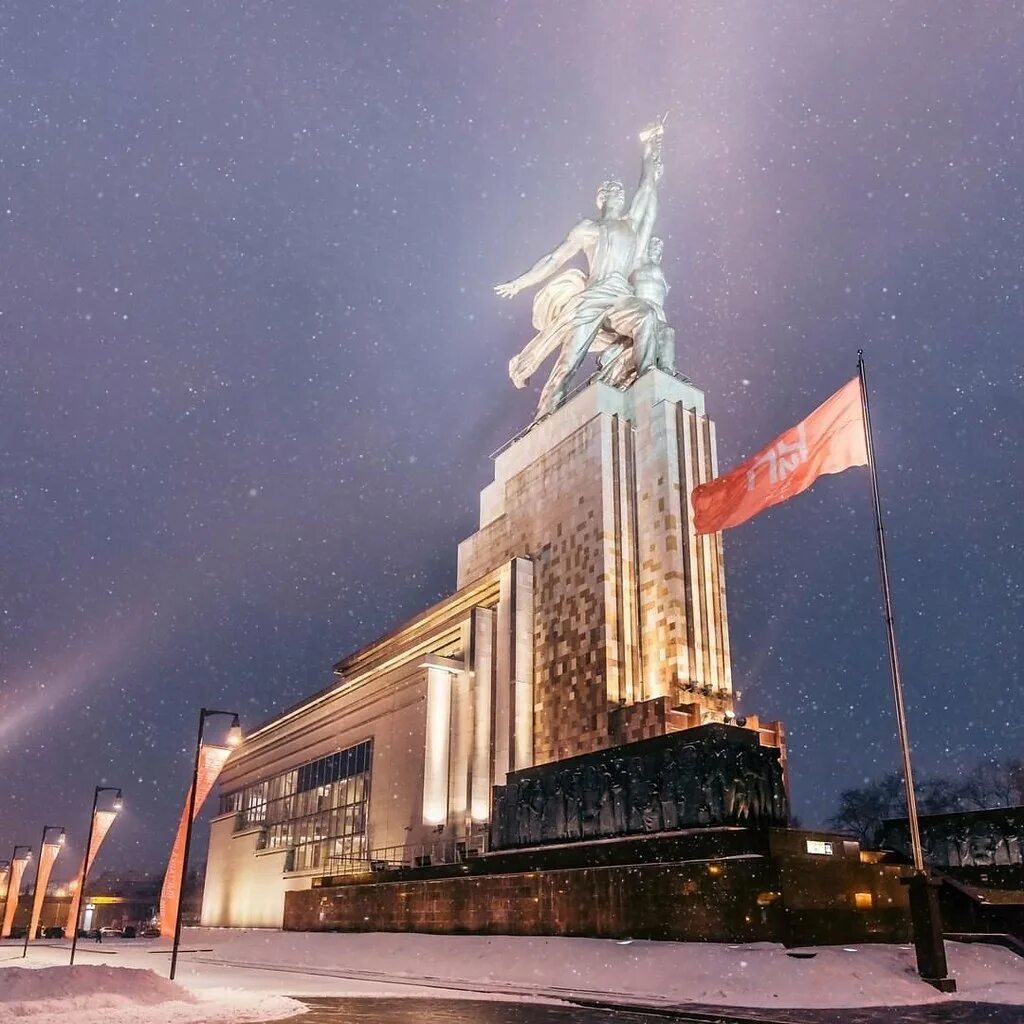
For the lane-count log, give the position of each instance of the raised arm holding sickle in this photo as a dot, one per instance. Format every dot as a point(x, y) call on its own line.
point(611, 243)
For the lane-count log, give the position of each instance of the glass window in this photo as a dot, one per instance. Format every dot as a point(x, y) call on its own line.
point(318, 810)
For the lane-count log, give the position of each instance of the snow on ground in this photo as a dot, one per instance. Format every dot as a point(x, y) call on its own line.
point(757, 975)
point(105, 994)
point(245, 964)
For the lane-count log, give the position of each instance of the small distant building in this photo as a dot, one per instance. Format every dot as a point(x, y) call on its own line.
point(120, 899)
point(113, 900)
point(978, 854)
point(965, 843)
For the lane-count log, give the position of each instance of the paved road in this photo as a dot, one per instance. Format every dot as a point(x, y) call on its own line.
point(473, 1011)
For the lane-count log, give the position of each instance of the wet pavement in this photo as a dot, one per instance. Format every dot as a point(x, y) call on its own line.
point(473, 1011)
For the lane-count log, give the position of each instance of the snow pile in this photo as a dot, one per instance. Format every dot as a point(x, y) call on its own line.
point(753, 975)
point(123, 995)
point(99, 986)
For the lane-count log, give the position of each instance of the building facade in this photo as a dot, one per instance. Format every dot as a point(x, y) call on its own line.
point(588, 614)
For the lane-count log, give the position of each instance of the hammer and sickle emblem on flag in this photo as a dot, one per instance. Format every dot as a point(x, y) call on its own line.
point(782, 459)
point(831, 439)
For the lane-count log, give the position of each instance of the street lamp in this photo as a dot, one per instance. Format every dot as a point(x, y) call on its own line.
point(14, 857)
point(233, 739)
point(62, 835)
point(85, 861)
point(27, 856)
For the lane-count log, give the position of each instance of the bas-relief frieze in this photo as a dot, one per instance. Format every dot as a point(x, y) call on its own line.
point(682, 780)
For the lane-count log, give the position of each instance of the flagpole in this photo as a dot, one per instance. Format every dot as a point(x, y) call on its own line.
point(924, 911)
point(890, 626)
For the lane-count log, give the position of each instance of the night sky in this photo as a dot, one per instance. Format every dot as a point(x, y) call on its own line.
point(253, 367)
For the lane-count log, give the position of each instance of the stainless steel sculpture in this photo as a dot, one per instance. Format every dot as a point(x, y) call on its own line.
point(617, 308)
point(644, 337)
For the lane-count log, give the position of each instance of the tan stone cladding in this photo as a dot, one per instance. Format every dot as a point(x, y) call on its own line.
point(629, 603)
point(571, 550)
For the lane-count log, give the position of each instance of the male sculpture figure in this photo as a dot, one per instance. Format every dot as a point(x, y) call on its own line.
point(611, 244)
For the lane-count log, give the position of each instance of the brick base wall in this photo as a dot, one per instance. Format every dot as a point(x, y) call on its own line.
point(768, 897)
point(654, 901)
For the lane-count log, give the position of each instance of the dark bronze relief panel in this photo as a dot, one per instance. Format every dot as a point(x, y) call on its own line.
point(712, 775)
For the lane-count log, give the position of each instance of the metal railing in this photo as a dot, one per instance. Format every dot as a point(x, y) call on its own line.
point(412, 855)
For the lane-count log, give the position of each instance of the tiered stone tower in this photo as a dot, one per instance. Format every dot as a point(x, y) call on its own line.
point(631, 637)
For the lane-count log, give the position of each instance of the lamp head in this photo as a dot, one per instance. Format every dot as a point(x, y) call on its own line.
point(61, 838)
point(118, 802)
point(235, 732)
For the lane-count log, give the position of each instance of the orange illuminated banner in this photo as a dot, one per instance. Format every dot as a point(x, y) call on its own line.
point(47, 855)
point(101, 825)
point(14, 875)
point(830, 440)
point(211, 761)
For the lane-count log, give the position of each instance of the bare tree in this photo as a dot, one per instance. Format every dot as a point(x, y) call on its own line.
point(862, 810)
point(991, 783)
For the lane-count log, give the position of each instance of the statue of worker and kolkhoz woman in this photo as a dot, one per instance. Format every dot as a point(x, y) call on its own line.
point(617, 792)
point(616, 309)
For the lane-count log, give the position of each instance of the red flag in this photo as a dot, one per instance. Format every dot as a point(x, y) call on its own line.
point(101, 826)
point(830, 440)
point(211, 760)
point(47, 855)
point(14, 874)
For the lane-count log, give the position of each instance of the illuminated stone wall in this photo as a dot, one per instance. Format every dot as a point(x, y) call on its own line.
point(629, 603)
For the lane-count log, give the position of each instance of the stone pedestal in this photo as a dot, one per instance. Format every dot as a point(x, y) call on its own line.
point(631, 637)
point(702, 885)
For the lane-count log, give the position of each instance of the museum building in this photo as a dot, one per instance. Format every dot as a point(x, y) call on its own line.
point(566, 714)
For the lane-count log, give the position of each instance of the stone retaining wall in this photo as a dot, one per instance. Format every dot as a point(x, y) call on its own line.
point(742, 899)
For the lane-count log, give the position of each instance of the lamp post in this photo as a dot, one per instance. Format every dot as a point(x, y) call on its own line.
point(234, 738)
point(60, 842)
point(85, 862)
